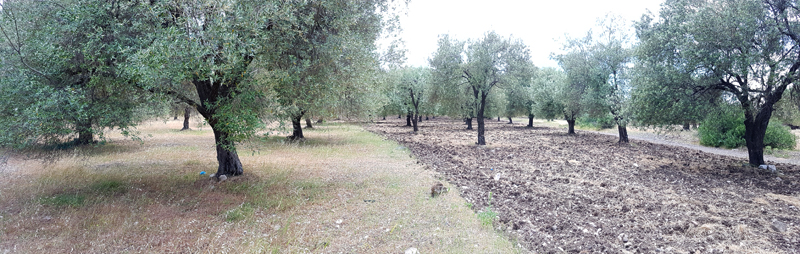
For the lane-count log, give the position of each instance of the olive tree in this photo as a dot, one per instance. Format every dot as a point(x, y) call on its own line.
point(412, 86)
point(486, 63)
point(746, 48)
point(600, 65)
point(62, 69)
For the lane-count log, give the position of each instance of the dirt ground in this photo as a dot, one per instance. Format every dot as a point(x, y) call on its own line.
point(585, 193)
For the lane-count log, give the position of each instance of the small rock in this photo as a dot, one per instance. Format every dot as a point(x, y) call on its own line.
point(625, 238)
point(223, 178)
point(497, 177)
point(779, 226)
point(276, 227)
point(636, 165)
point(411, 250)
point(339, 221)
point(770, 168)
point(212, 175)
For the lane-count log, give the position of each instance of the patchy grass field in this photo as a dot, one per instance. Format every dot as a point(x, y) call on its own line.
point(342, 190)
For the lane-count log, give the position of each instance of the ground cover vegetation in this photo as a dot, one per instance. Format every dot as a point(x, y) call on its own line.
point(342, 190)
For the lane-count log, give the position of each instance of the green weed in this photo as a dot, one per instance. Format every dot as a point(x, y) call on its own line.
point(109, 187)
point(63, 200)
point(239, 213)
point(487, 216)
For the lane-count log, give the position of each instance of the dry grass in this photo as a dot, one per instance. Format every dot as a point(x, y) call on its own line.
point(342, 190)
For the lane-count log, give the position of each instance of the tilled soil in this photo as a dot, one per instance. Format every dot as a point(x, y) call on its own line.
point(586, 193)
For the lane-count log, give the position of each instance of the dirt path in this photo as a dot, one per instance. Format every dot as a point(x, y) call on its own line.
point(585, 193)
point(685, 140)
point(789, 157)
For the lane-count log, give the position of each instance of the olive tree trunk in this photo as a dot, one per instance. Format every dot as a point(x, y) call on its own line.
point(755, 128)
point(297, 126)
point(187, 112)
point(571, 126)
point(530, 120)
point(228, 159)
point(85, 133)
point(414, 121)
point(481, 125)
point(309, 126)
point(623, 134)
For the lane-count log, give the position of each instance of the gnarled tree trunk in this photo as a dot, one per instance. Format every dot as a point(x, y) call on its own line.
point(414, 121)
point(755, 128)
point(510, 121)
point(187, 112)
point(408, 120)
point(623, 134)
point(297, 127)
point(481, 125)
point(571, 126)
point(468, 121)
point(309, 126)
point(530, 120)
point(85, 133)
point(228, 159)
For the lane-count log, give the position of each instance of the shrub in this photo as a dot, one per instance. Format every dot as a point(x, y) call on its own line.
point(779, 136)
point(602, 122)
point(725, 128)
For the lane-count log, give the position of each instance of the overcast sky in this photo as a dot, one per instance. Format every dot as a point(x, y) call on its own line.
point(540, 24)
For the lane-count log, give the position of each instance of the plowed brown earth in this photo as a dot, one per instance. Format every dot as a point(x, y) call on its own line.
point(585, 193)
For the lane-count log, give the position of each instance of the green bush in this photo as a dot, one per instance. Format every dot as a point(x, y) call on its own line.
point(779, 136)
point(603, 122)
point(725, 128)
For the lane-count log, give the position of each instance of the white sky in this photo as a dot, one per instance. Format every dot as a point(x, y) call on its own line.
point(541, 24)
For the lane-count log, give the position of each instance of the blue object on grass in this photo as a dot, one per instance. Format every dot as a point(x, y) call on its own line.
point(492, 169)
point(202, 172)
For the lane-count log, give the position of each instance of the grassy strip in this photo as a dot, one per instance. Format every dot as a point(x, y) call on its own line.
point(341, 190)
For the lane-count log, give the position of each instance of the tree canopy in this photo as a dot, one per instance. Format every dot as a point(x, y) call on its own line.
point(62, 71)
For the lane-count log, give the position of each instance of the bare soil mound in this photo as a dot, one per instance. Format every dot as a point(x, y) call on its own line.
point(586, 193)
